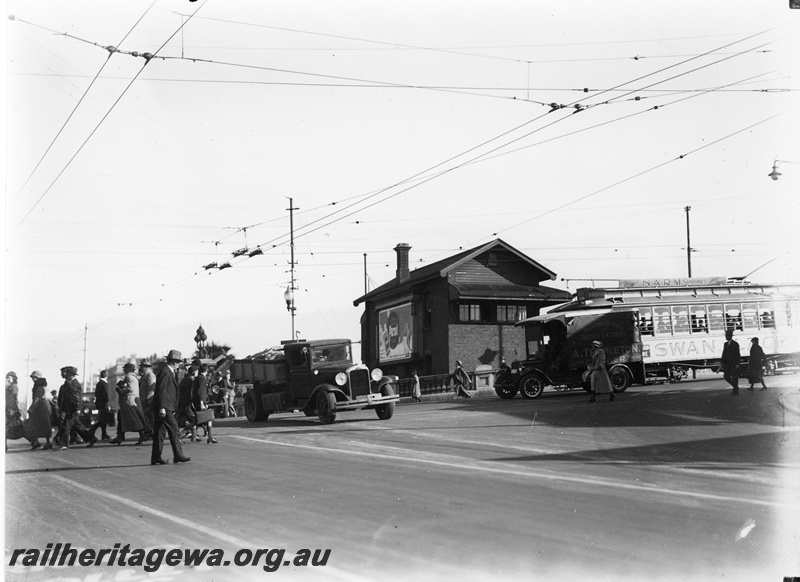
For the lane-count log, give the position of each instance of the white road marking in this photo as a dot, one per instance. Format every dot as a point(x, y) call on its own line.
point(186, 523)
point(193, 526)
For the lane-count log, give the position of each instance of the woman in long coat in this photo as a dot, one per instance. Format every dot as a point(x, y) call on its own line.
point(131, 416)
point(38, 423)
point(601, 383)
point(755, 365)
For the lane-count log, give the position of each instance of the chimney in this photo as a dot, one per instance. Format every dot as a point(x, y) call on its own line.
point(402, 250)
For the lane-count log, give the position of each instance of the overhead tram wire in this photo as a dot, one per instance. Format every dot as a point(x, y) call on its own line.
point(453, 88)
point(499, 147)
point(86, 91)
point(481, 157)
point(277, 240)
point(620, 85)
point(610, 121)
point(638, 174)
point(477, 157)
point(695, 70)
point(113, 105)
point(458, 50)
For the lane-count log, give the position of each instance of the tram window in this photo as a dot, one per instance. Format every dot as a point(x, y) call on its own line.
point(698, 319)
point(749, 316)
point(680, 318)
point(766, 314)
point(716, 320)
point(661, 321)
point(733, 316)
point(645, 321)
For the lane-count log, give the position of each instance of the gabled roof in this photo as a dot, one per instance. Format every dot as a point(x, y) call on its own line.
point(445, 266)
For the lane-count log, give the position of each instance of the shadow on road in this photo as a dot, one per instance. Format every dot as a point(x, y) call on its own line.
point(721, 454)
point(671, 408)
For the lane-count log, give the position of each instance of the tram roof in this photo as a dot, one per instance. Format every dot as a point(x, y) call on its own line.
point(604, 298)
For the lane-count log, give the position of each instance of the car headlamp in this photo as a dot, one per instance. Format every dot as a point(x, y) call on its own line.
point(341, 378)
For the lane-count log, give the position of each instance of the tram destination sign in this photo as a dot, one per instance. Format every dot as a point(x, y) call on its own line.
point(678, 282)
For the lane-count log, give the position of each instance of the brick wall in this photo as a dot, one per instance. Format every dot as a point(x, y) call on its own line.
point(479, 344)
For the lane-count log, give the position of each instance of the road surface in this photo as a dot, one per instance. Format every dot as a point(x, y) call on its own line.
point(680, 481)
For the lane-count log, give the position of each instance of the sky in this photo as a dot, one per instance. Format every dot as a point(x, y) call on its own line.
point(578, 132)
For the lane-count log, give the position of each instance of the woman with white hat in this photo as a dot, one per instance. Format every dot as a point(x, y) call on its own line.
point(601, 383)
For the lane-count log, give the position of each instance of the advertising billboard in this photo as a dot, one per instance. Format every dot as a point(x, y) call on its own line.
point(395, 333)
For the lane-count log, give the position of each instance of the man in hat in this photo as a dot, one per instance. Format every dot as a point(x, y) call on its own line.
point(102, 405)
point(730, 361)
point(165, 403)
point(69, 400)
point(147, 389)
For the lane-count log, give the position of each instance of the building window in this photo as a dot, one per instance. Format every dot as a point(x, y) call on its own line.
point(511, 312)
point(469, 312)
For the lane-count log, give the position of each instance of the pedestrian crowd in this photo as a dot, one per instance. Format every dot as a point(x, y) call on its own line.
point(152, 404)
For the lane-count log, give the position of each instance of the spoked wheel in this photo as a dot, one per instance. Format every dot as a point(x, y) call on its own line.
point(531, 386)
point(620, 378)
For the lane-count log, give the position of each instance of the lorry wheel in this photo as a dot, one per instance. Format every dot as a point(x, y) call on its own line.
point(326, 407)
point(531, 386)
point(253, 410)
point(386, 411)
point(505, 391)
point(620, 378)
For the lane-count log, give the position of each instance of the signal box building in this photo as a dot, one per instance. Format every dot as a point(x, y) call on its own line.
point(460, 308)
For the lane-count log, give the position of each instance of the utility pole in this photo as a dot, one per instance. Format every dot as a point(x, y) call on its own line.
point(365, 274)
point(289, 295)
point(85, 354)
point(688, 242)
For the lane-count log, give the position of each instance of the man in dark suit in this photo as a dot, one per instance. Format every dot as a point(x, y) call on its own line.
point(730, 361)
point(102, 406)
point(69, 402)
point(165, 403)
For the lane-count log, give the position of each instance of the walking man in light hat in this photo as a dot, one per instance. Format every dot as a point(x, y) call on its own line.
point(165, 403)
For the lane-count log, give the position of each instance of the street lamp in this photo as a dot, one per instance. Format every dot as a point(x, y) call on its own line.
point(775, 174)
point(288, 296)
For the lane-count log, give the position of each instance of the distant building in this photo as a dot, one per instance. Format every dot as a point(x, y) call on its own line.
point(460, 308)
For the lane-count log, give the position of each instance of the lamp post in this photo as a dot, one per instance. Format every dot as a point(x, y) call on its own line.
point(200, 338)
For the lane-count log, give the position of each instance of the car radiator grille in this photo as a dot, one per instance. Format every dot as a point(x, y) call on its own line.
point(359, 383)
